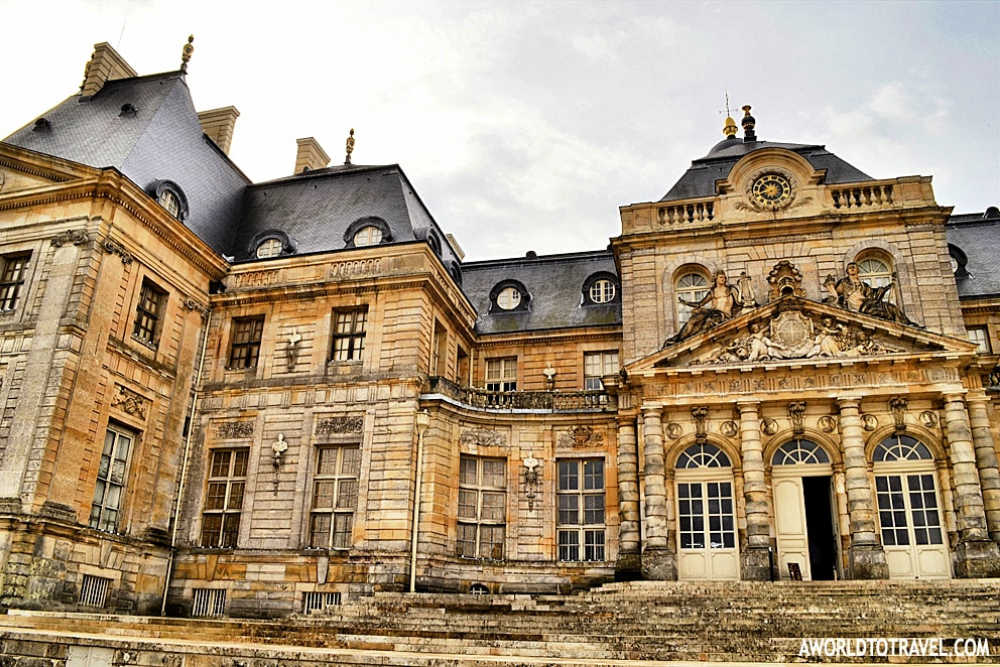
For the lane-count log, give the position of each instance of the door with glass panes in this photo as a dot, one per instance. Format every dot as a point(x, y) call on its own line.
point(706, 515)
point(909, 510)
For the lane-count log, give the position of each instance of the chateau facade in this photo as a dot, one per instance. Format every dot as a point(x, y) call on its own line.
point(220, 397)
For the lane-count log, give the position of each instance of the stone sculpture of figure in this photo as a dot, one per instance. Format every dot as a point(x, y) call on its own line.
point(762, 348)
point(828, 339)
point(857, 295)
point(720, 304)
point(744, 289)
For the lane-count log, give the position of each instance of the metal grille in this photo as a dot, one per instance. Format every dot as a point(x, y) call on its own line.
point(94, 591)
point(318, 600)
point(209, 602)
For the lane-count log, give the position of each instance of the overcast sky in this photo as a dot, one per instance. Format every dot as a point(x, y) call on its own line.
point(525, 125)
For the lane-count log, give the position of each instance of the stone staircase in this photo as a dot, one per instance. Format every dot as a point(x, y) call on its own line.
point(634, 621)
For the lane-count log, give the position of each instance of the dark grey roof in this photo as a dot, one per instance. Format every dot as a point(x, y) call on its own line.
point(555, 284)
point(316, 208)
point(978, 238)
point(699, 180)
point(162, 141)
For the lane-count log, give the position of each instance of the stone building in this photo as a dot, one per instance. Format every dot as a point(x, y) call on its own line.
point(226, 397)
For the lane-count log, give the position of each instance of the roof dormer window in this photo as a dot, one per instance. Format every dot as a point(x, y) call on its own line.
point(168, 199)
point(509, 296)
point(170, 196)
point(269, 248)
point(367, 235)
point(366, 232)
point(600, 289)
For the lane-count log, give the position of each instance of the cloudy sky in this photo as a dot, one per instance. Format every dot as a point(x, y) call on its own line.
point(525, 125)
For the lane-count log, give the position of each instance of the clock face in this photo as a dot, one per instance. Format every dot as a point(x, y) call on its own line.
point(771, 191)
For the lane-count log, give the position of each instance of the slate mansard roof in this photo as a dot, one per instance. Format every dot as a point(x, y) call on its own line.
point(163, 140)
point(977, 237)
point(699, 180)
point(555, 286)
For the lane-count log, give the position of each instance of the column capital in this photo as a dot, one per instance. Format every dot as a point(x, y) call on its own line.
point(953, 396)
point(747, 406)
point(652, 410)
point(849, 401)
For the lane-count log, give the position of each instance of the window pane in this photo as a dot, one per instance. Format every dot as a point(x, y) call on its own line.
point(323, 494)
point(466, 540)
point(220, 463)
point(235, 496)
point(569, 545)
point(467, 503)
point(593, 474)
point(351, 463)
point(347, 496)
point(593, 509)
point(493, 506)
point(215, 496)
point(319, 534)
point(494, 473)
point(342, 525)
point(568, 509)
point(326, 461)
point(468, 470)
point(568, 480)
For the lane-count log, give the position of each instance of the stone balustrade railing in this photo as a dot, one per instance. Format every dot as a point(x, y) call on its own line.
point(686, 212)
point(862, 196)
point(552, 401)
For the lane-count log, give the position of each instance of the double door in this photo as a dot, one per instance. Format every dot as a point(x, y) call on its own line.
point(706, 530)
point(910, 520)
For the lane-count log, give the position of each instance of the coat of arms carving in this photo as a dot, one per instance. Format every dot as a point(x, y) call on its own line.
point(580, 436)
point(483, 437)
point(129, 402)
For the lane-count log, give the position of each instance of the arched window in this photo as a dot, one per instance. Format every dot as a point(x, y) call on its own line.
point(703, 455)
point(690, 286)
point(367, 235)
point(509, 296)
point(900, 448)
point(601, 288)
point(799, 451)
point(877, 272)
point(170, 196)
point(269, 248)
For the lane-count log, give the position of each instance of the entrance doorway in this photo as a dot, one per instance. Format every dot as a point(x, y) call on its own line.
point(804, 518)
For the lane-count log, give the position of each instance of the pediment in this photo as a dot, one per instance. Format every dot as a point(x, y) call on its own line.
point(22, 170)
point(797, 330)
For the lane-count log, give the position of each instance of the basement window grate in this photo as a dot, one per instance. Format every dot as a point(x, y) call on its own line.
point(94, 591)
point(209, 602)
point(318, 601)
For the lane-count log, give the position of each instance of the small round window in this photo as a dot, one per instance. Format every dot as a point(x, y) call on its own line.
point(367, 235)
point(509, 298)
point(602, 291)
point(269, 248)
point(169, 200)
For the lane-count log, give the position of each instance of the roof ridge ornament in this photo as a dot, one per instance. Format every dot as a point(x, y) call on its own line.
point(186, 52)
point(349, 147)
point(729, 129)
point(748, 123)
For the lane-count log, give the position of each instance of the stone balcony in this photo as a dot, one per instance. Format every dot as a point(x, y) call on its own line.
point(520, 401)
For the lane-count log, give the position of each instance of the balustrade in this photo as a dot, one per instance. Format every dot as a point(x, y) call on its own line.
point(553, 401)
point(687, 212)
point(862, 196)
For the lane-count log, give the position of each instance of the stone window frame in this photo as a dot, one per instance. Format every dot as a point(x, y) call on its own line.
point(287, 247)
point(479, 490)
point(582, 530)
point(255, 336)
point(588, 385)
point(354, 337)
point(13, 277)
point(592, 280)
point(106, 477)
point(504, 380)
point(980, 335)
point(338, 514)
point(235, 475)
point(150, 312)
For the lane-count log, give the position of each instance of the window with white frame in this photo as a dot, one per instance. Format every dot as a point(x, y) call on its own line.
point(227, 474)
point(367, 235)
point(691, 286)
point(111, 477)
point(597, 365)
point(580, 516)
point(602, 291)
point(482, 507)
point(981, 337)
point(335, 496)
point(501, 374)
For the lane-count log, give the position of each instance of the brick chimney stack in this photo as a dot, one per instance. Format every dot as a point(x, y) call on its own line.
point(104, 65)
point(218, 124)
point(310, 155)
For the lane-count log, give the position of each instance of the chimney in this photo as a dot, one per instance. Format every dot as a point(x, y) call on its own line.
point(218, 124)
point(104, 65)
point(310, 155)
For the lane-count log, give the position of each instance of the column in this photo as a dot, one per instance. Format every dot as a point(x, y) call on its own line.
point(629, 561)
point(658, 558)
point(866, 559)
point(986, 462)
point(976, 554)
point(756, 558)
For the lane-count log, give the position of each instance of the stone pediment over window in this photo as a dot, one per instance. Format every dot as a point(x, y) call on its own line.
point(796, 330)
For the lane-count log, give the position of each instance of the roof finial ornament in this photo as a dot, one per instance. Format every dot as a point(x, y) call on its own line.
point(748, 123)
point(349, 147)
point(186, 53)
point(730, 128)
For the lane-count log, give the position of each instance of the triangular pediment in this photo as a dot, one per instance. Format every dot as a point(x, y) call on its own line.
point(797, 330)
point(22, 170)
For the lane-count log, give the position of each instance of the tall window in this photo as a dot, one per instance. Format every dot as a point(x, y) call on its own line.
point(335, 496)
point(501, 374)
point(439, 363)
point(227, 475)
point(245, 349)
point(690, 287)
point(981, 337)
point(12, 270)
point(581, 509)
point(111, 479)
point(482, 507)
point(596, 365)
point(349, 334)
point(149, 312)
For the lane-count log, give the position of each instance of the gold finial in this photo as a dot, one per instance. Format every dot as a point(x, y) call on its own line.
point(349, 147)
point(186, 53)
point(730, 128)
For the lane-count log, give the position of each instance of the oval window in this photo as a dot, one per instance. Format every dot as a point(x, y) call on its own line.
point(269, 248)
point(602, 291)
point(367, 235)
point(509, 298)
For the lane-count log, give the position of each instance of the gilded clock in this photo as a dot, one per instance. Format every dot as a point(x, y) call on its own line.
point(771, 191)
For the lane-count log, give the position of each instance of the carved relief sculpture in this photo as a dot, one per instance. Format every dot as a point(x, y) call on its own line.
point(784, 280)
point(827, 423)
point(483, 437)
point(129, 402)
point(856, 295)
point(580, 436)
point(700, 413)
point(674, 430)
point(234, 430)
point(796, 411)
point(335, 425)
point(928, 419)
point(897, 406)
point(531, 480)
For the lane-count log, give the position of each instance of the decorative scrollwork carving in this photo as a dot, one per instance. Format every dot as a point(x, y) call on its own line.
point(784, 280)
point(483, 437)
point(74, 236)
point(338, 425)
point(796, 411)
point(700, 414)
point(115, 248)
point(129, 402)
point(234, 430)
point(580, 436)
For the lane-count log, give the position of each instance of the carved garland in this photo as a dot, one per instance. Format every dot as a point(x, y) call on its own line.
point(483, 437)
point(234, 430)
point(337, 425)
point(580, 436)
point(130, 402)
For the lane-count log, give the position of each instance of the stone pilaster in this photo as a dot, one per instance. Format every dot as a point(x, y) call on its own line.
point(629, 560)
point(755, 559)
point(986, 462)
point(976, 554)
point(658, 559)
point(866, 559)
